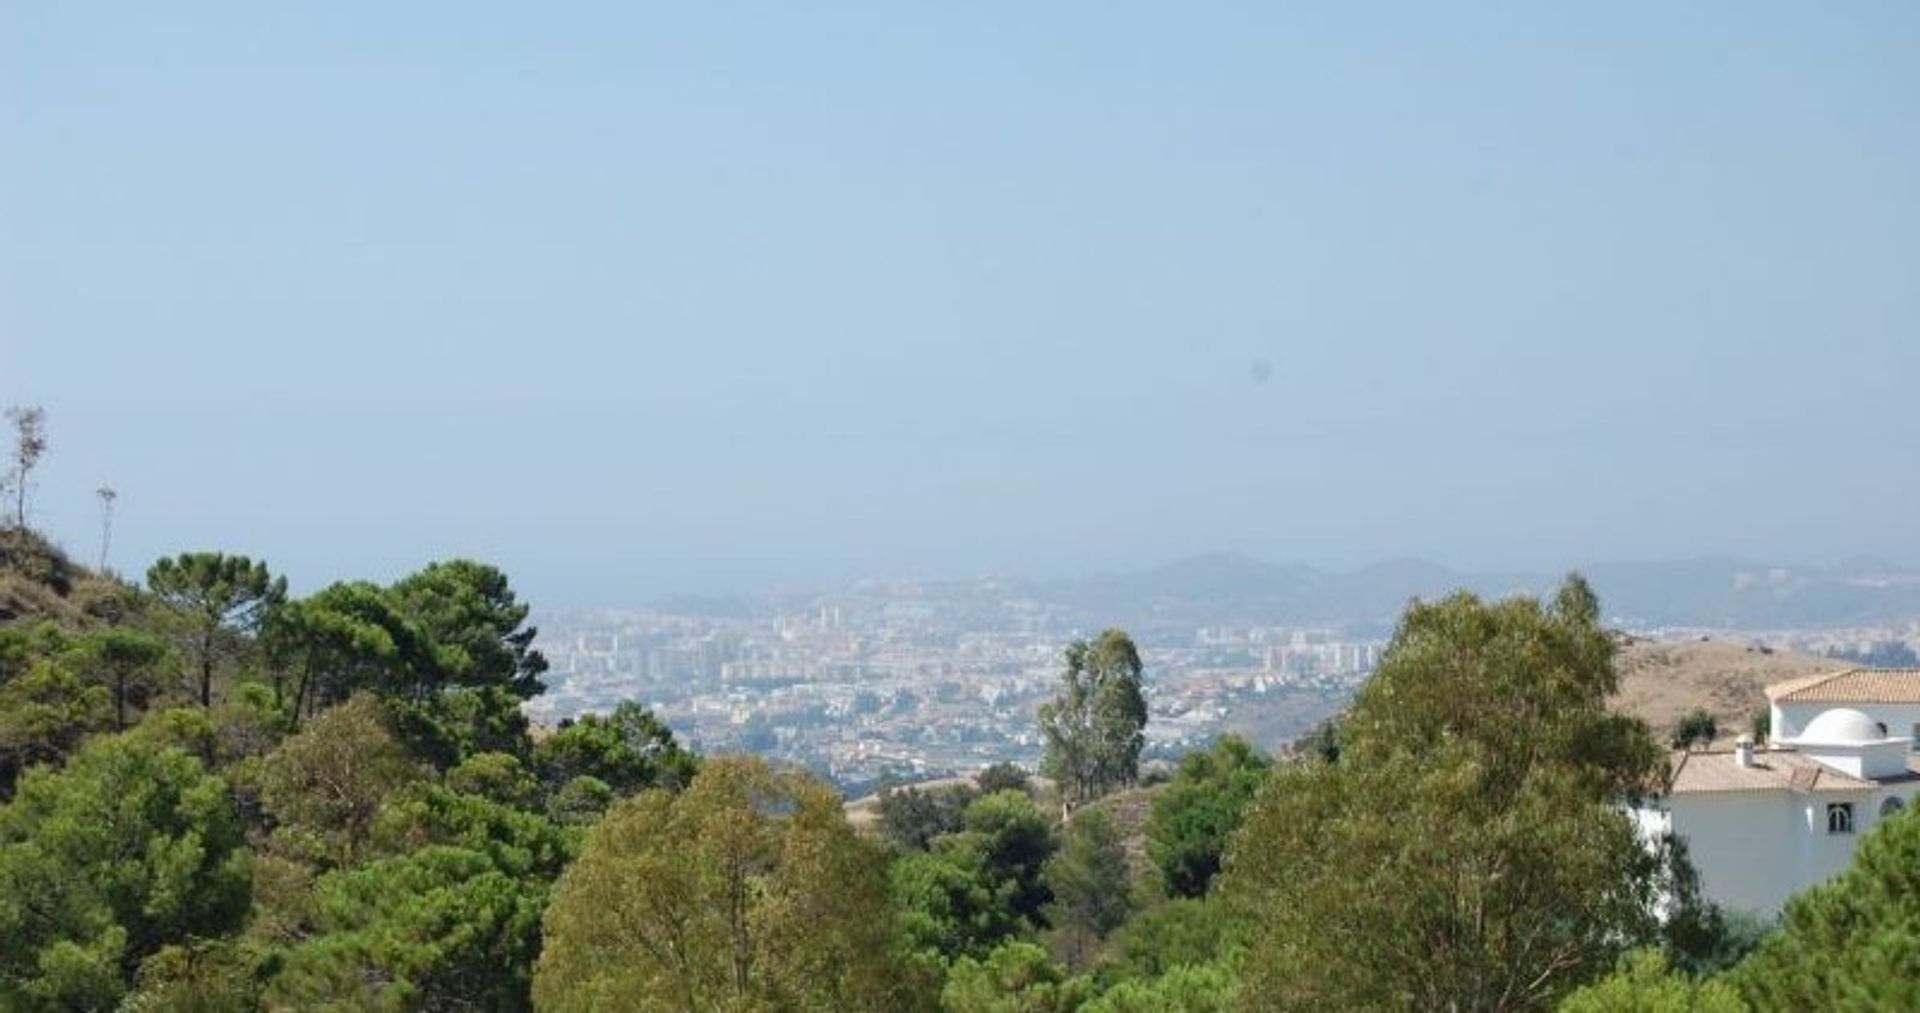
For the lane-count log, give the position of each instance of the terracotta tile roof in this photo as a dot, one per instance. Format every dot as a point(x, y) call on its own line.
point(1772, 770)
point(1853, 685)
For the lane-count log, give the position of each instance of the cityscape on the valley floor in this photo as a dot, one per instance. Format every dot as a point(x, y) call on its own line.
point(907, 680)
point(864, 690)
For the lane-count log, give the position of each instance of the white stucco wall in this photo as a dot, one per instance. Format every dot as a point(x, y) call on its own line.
point(1745, 844)
point(1754, 849)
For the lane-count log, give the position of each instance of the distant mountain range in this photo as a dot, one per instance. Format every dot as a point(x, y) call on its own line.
point(1714, 592)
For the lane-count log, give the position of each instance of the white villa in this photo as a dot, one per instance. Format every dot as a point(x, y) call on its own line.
point(1763, 824)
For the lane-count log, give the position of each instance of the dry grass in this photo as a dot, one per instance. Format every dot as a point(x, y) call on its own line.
point(39, 581)
point(1660, 682)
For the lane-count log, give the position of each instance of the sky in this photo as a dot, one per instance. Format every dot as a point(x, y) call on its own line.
point(633, 299)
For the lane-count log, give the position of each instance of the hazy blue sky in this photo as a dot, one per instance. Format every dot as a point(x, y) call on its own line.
point(632, 298)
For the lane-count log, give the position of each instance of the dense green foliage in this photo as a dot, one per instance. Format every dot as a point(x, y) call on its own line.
point(912, 817)
point(1466, 850)
point(218, 797)
point(746, 891)
point(131, 846)
point(1852, 942)
point(1645, 984)
point(1094, 727)
point(1198, 811)
point(1089, 883)
point(1017, 977)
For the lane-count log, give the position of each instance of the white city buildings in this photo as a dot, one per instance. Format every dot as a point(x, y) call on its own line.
point(1763, 824)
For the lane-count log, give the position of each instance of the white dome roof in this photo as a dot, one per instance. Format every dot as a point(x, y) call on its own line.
point(1843, 726)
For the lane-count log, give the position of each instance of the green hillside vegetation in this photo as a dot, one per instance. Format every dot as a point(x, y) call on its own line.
point(219, 796)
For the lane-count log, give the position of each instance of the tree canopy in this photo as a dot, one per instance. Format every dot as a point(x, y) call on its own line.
point(1195, 815)
point(746, 891)
point(129, 847)
point(1094, 727)
point(1466, 851)
point(216, 595)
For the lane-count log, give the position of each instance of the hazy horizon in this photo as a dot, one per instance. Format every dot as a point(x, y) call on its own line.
point(634, 303)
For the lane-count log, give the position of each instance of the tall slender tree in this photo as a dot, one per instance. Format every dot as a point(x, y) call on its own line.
point(219, 596)
point(1096, 725)
point(107, 496)
point(29, 444)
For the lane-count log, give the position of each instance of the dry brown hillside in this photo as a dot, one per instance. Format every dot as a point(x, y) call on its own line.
point(38, 581)
point(1659, 682)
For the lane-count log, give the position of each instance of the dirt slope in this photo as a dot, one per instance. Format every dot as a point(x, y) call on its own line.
point(1659, 682)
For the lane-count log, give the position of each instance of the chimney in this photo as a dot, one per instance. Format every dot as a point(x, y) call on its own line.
point(1743, 751)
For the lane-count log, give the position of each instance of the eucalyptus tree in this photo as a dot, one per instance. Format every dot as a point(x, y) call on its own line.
point(1468, 849)
point(29, 445)
point(1095, 725)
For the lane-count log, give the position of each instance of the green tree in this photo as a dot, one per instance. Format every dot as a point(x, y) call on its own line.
point(1192, 988)
point(498, 776)
point(1468, 850)
point(130, 847)
point(1088, 880)
point(580, 800)
point(1644, 984)
point(746, 891)
point(950, 906)
point(440, 928)
point(627, 750)
point(325, 785)
point(1003, 776)
point(220, 597)
point(470, 612)
point(47, 710)
point(1181, 932)
point(452, 725)
point(1095, 725)
point(348, 637)
point(197, 976)
point(1009, 840)
point(1696, 726)
point(1852, 942)
point(25, 644)
point(131, 663)
point(441, 910)
point(1193, 817)
point(1017, 977)
point(912, 817)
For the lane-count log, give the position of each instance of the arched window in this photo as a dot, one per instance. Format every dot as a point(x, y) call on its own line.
point(1890, 806)
point(1840, 818)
